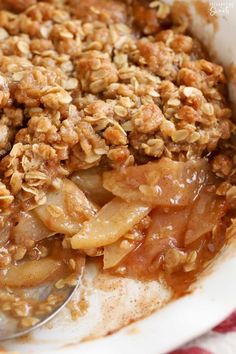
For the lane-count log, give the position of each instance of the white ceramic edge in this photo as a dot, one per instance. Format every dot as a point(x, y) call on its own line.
point(178, 322)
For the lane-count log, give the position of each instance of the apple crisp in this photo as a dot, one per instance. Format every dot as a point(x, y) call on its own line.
point(116, 142)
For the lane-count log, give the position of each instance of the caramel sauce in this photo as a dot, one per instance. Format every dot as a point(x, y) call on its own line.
point(56, 253)
point(166, 239)
point(143, 265)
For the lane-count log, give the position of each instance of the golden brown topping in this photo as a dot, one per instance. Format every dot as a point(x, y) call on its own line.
point(50, 60)
point(148, 118)
point(178, 42)
point(110, 85)
point(96, 72)
point(91, 10)
point(145, 17)
point(159, 58)
point(89, 150)
point(115, 136)
point(5, 197)
point(222, 165)
point(17, 5)
point(4, 92)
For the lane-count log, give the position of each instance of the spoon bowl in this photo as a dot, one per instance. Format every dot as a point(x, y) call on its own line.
point(9, 325)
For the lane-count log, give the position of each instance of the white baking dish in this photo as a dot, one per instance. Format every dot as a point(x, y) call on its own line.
point(212, 299)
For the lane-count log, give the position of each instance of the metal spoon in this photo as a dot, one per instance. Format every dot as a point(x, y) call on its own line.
point(9, 325)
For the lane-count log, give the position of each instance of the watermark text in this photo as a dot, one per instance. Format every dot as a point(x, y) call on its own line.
point(221, 7)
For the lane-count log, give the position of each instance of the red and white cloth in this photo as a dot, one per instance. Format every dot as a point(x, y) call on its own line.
point(220, 340)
